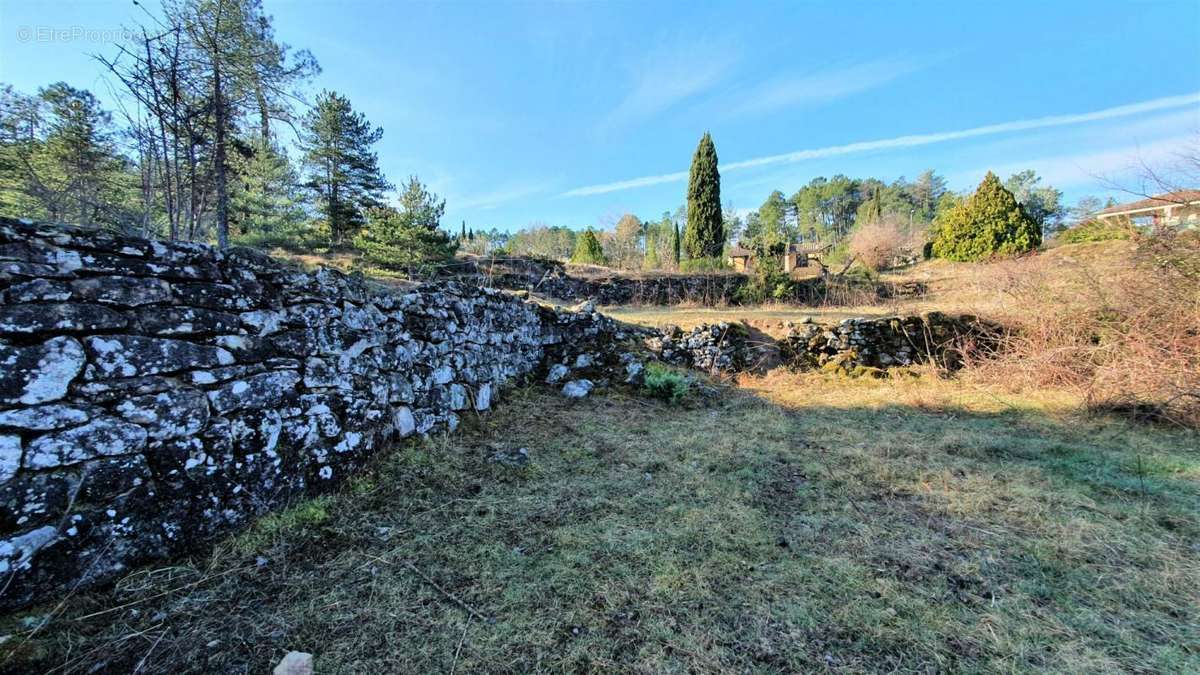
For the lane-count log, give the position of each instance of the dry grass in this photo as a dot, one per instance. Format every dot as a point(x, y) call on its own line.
point(820, 525)
point(1125, 338)
point(1107, 321)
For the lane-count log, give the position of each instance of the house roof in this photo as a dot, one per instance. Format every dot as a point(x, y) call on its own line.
point(1176, 198)
point(808, 247)
point(738, 251)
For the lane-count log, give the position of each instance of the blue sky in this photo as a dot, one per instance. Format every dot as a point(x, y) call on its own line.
point(574, 113)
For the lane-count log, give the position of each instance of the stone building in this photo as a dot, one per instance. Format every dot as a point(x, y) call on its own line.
point(796, 256)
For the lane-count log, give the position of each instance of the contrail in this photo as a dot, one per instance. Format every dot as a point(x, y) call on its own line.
point(910, 141)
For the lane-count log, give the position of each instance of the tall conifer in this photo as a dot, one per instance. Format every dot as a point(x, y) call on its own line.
point(704, 236)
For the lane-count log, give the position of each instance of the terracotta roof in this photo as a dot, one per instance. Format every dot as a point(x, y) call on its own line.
point(739, 252)
point(808, 247)
point(1158, 201)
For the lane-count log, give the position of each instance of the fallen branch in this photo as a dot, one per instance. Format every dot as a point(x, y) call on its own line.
point(449, 596)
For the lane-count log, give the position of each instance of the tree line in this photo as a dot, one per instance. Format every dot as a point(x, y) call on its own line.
point(698, 234)
point(194, 150)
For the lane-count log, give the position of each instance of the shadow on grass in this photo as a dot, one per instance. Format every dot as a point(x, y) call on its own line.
point(730, 534)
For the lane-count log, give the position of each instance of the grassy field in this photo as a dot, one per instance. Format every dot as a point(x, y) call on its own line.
point(1074, 271)
point(791, 524)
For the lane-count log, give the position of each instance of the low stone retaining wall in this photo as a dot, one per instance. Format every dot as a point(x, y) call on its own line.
point(715, 348)
point(855, 347)
point(868, 346)
point(154, 395)
point(551, 279)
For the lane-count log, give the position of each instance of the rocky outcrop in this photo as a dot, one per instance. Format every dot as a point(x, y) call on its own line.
point(154, 395)
point(865, 346)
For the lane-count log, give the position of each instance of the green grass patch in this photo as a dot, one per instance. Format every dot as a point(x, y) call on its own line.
point(738, 536)
point(665, 384)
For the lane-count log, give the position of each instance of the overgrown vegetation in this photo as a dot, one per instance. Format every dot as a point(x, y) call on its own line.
point(839, 526)
point(767, 282)
point(875, 246)
point(1124, 338)
point(702, 265)
point(1093, 230)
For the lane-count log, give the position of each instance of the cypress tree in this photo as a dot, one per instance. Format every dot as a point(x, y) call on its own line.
point(651, 261)
point(675, 245)
point(462, 236)
point(990, 222)
point(704, 236)
point(588, 250)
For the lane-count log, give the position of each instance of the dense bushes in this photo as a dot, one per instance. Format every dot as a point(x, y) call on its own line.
point(767, 282)
point(990, 222)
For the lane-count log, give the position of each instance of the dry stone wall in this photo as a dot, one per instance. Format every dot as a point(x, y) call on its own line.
point(869, 346)
point(154, 395)
point(721, 347)
point(552, 279)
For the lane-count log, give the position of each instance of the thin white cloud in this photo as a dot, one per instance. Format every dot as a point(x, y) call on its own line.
point(1166, 103)
point(825, 86)
point(1091, 169)
point(490, 200)
point(664, 80)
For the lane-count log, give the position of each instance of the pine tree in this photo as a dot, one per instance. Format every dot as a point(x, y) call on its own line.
point(58, 158)
point(704, 237)
point(342, 168)
point(263, 198)
point(990, 222)
point(588, 250)
point(241, 65)
point(408, 235)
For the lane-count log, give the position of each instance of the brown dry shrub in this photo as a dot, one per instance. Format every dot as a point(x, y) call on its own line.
point(1127, 339)
point(878, 244)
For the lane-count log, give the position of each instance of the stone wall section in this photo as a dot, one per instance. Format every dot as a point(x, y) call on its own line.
point(154, 395)
point(870, 346)
point(553, 280)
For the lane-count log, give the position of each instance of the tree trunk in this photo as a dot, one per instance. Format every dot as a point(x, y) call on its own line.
point(220, 122)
